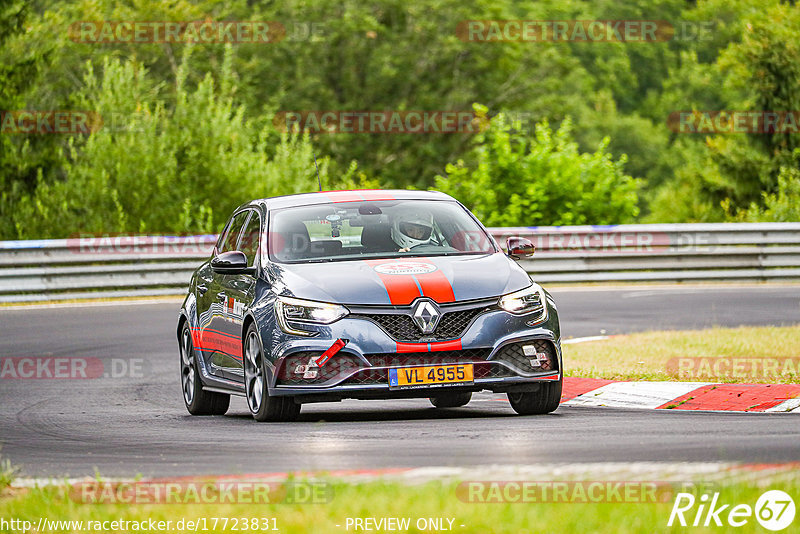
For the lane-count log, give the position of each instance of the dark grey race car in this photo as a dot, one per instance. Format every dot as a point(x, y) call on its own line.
point(367, 295)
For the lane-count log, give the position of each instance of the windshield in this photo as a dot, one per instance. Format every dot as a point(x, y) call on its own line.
point(374, 229)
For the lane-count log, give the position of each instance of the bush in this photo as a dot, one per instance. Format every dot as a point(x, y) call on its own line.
point(513, 180)
point(782, 206)
point(153, 169)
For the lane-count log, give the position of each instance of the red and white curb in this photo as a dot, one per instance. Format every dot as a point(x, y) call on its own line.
point(681, 395)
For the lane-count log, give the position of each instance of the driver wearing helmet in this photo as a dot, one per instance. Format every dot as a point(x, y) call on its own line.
point(411, 230)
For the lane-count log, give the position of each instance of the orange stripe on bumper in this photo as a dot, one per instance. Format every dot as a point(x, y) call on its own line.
point(412, 347)
point(446, 345)
point(436, 346)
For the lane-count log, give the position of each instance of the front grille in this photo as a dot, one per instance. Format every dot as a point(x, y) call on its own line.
point(343, 364)
point(513, 355)
point(453, 324)
point(368, 377)
point(481, 369)
point(492, 370)
point(444, 357)
point(401, 327)
point(338, 366)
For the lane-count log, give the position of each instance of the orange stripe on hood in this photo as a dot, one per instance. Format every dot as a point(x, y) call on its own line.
point(436, 286)
point(402, 289)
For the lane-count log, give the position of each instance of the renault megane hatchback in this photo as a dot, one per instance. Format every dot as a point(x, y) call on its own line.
point(365, 295)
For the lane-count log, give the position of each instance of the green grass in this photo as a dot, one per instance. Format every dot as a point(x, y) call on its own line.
point(7, 473)
point(645, 356)
point(392, 499)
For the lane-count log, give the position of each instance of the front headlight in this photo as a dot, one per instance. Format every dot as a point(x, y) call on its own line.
point(288, 309)
point(530, 300)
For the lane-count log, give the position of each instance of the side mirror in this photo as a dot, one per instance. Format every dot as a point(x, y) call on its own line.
point(231, 262)
point(519, 247)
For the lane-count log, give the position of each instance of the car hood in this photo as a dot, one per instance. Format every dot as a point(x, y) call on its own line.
point(399, 281)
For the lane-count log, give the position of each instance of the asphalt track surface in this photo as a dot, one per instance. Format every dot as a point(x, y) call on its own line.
point(129, 425)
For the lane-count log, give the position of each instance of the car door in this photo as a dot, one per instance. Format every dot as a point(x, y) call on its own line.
point(217, 336)
point(237, 292)
point(205, 296)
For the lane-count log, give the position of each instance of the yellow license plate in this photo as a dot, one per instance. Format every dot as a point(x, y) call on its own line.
point(409, 377)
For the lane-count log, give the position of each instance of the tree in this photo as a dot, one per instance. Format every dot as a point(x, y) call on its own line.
point(22, 158)
point(781, 206)
point(512, 180)
point(166, 170)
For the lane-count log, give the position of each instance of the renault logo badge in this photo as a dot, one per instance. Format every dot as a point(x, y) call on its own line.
point(426, 315)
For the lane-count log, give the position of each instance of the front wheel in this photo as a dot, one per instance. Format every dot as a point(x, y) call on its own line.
point(542, 401)
point(262, 406)
point(197, 401)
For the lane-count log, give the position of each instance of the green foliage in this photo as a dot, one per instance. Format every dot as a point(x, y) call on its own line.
point(685, 198)
point(781, 206)
point(159, 170)
point(517, 181)
point(717, 177)
point(200, 139)
point(21, 158)
point(7, 473)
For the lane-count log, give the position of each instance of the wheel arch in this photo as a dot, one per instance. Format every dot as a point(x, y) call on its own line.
point(248, 320)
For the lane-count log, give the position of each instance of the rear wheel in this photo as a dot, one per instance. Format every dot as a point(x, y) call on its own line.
point(451, 400)
point(262, 406)
point(542, 401)
point(197, 401)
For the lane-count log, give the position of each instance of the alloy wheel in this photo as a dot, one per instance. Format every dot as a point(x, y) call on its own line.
point(253, 373)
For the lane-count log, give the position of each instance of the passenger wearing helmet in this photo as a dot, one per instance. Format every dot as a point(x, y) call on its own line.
point(411, 230)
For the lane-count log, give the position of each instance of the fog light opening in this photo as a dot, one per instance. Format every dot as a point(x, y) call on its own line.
point(537, 359)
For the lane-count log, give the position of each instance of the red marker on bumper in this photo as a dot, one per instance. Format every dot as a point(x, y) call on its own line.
point(336, 347)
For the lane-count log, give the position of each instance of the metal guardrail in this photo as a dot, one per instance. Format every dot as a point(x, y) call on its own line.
point(99, 267)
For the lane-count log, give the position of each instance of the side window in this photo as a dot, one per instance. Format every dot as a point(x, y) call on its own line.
point(234, 229)
point(250, 238)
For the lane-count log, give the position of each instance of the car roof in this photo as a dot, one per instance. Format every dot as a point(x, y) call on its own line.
point(351, 195)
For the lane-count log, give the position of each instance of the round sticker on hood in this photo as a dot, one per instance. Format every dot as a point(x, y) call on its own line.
point(405, 267)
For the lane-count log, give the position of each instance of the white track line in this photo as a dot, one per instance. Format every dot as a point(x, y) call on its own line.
point(635, 394)
point(90, 304)
point(786, 406)
point(583, 339)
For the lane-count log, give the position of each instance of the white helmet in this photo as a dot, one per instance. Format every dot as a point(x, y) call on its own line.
point(412, 229)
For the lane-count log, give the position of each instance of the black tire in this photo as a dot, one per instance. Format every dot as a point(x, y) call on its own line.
point(545, 400)
point(261, 405)
point(197, 401)
point(451, 399)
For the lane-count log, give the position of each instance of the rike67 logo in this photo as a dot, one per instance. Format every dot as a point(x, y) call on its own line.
point(774, 510)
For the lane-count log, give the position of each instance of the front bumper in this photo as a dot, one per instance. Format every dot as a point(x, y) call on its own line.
point(493, 343)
